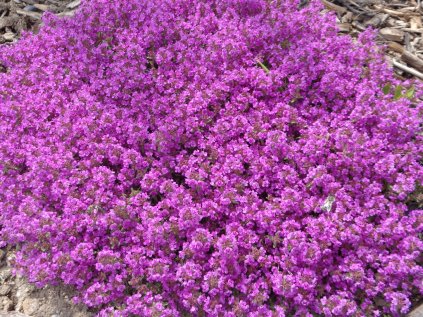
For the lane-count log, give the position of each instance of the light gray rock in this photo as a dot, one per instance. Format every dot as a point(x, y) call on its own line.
point(418, 312)
point(30, 306)
point(5, 289)
point(6, 304)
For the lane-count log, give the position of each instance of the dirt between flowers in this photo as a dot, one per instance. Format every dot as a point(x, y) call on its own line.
point(18, 298)
point(400, 28)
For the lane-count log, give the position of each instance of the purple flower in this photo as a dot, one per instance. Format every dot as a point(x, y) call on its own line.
point(210, 158)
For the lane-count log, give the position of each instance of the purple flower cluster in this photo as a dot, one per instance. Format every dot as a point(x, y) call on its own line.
point(210, 158)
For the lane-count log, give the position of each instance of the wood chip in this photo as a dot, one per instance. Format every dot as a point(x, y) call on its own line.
point(416, 42)
point(34, 15)
point(407, 9)
point(42, 7)
point(416, 23)
point(409, 70)
point(412, 60)
point(74, 4)
point(407, 42)
point(347, 17)
point(334, 7)
point(396, 47)
point(390, 22)
point(8, 21)
point(401, 24)
point(378, 20)
point(358, 26)
point(392, 34)
point(397, 13)
point(413, 30)
point(344, 27)
point(66, 13)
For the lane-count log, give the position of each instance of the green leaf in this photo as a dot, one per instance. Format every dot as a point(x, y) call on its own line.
point(386, 89)
point(264, 67)
point(398, 92)
point(410, 93)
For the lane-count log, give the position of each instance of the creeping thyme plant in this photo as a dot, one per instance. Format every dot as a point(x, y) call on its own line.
point(211, 158)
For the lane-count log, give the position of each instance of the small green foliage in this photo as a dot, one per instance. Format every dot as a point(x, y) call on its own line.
point(398, 92)
point(264, 67)
point(386, 89)
point(409, 94)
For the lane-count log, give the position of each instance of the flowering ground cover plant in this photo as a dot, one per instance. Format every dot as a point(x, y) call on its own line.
point(210, 158)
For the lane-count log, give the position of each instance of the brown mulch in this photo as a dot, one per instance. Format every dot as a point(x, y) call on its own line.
point(19, 15)
point(399, 25)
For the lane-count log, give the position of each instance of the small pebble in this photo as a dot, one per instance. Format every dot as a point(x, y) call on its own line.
point(418, 312)
point(9, 36)
point(6, 304)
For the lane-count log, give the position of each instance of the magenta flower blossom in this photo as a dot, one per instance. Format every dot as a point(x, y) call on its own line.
point(210, 158)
